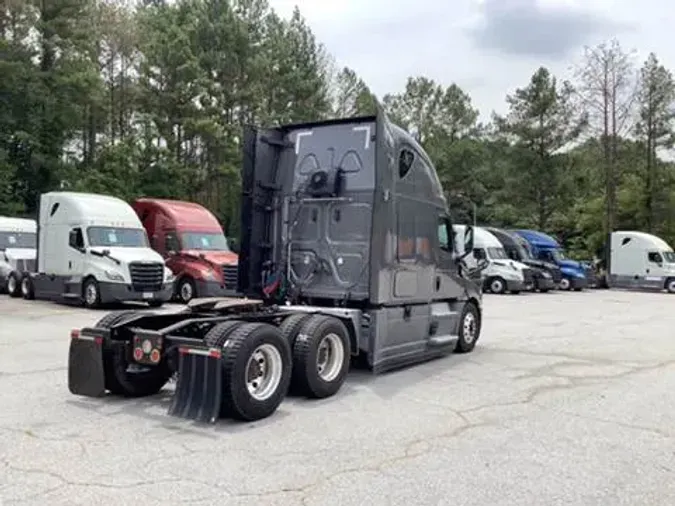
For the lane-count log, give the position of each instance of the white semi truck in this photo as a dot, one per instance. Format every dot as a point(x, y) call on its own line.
point(18, 237)
point(501, 274)
point(93, 250)
point(640, 260)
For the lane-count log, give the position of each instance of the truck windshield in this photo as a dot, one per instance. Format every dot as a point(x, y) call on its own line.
point(558, 255)
point(497, 253)
point(17, 240)
point(669, 257)
point(205, 241)
point(525, 251)
point(117, 237)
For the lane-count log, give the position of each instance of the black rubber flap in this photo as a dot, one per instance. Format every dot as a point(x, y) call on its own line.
point(85, 366)
point(199, 388)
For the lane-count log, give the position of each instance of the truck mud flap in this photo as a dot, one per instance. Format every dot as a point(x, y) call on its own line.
point(199, 389)
point(85, 365)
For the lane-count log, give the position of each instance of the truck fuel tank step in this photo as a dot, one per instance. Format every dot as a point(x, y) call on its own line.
point(199, 389)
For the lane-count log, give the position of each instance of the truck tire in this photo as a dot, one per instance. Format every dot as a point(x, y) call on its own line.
point(321, 356)
point(291, 326)
point(114, 318)
point(186, 290)
point(469, 328)
point(14, 285)
point(565, 284)
point(497, 285)
point(670, 285)
point(91, 295)
point(27, 288)
point(256, 372)
point(216, 337)
point(118, 379)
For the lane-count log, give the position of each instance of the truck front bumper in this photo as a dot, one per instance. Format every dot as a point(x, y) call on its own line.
point(577, 283)
point(214, 289)
point(545, 283)
point(515, 286)
point(120, 292)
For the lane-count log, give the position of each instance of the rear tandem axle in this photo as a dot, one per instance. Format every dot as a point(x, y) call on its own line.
point(236, 358)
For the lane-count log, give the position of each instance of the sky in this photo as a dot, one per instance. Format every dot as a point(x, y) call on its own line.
point(487, 47)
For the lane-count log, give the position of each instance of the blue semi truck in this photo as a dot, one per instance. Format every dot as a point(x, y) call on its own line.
point(575, 276)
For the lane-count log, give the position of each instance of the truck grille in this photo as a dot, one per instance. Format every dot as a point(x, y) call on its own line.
point(230, 274)
point(528, 276)
point(556, 274)
point(591, 276)
point(24, 265)
point(146, 277)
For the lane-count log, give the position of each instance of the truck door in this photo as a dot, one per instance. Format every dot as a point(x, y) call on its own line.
point(170, 248)
point(76, 252)
point(446, 285)
point(653, 276)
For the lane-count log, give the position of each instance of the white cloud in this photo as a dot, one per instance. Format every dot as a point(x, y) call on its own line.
point(387, 41)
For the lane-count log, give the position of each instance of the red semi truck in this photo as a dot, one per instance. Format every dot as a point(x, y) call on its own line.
point(192, 241)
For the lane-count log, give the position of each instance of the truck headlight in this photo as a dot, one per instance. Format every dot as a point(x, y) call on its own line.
point(168, 276)
point(210, 275)
point(114, 276)
point(545, 275)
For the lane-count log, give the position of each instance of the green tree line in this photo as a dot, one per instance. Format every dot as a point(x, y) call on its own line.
point(148, 98)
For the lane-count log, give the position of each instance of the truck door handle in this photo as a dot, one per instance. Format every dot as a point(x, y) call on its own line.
point(438, 283)
point(70, 264)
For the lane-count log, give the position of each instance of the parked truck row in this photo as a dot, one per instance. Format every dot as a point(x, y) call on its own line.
point(119, 252)
point(97, 249)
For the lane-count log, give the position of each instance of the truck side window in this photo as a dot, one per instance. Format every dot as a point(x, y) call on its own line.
point(405, 161)
point(445, 237)
point(76, 238)
point(655, 258)
point(171, 242)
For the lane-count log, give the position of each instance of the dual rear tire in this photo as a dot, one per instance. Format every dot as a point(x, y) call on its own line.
point(307, 354)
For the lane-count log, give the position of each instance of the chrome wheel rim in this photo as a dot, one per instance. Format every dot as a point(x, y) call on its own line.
point(186, 291)
point(90, 294)
point(11, 284)
point(263, 372)
point(24, 286)
point(496, 286)
point(330, 357)
point(469, 328)
point(564, 284)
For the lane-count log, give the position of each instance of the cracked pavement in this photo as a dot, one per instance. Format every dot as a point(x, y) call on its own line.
point(546, 410)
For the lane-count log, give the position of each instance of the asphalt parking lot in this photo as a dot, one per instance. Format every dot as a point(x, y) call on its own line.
point(567, 400)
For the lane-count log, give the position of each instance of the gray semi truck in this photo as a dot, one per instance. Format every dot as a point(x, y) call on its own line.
point(346, 251)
